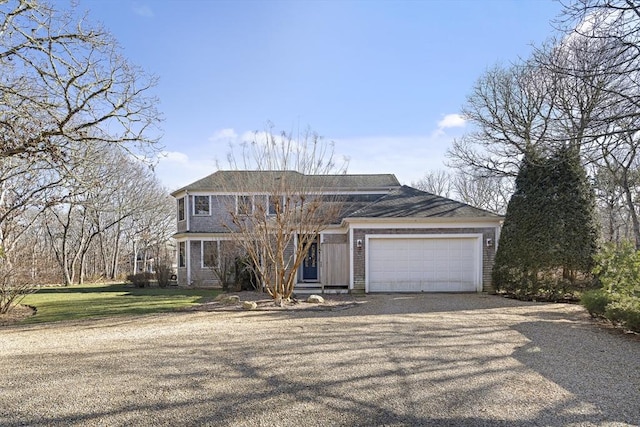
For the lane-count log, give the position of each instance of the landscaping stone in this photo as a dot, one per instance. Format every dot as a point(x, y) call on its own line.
point(315, 299)
point(249, 305)
point(227, 299)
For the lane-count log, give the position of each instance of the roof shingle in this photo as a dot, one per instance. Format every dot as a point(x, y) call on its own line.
point(262, 181)
point(408, 202)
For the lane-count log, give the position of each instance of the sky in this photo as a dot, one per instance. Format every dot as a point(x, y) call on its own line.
point(384, 80)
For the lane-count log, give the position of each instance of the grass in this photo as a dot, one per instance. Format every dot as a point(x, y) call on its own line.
point(92, 301)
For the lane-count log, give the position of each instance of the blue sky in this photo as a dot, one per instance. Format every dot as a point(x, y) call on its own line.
point(384, 80)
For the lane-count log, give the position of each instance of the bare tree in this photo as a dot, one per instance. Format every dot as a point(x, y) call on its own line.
point(438, 182)
point(587, 97)
point(63, 84)
point(615, 25)
point(575, 91)
point(510, 110)
point(490, 193)
point(276, 227)
point(612, 206)
point(621, 164)
point(149, 231)
point(65, 81)
point(562, 95)
point(109, 193)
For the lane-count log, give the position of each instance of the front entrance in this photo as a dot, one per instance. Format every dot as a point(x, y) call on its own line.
point(310, 264)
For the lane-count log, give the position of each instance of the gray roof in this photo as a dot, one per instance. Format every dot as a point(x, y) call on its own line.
point(258, 181)
point(408, 202)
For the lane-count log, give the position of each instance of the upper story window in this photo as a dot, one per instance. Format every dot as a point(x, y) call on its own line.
point(201, 205)
point(181, 209)
point(244, 205)
point(275, 205)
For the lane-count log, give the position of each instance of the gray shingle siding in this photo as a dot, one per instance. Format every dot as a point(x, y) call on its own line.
point(215, 222)
point(334, 238)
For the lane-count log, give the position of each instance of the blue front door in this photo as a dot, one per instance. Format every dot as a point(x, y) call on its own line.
point(310, 264)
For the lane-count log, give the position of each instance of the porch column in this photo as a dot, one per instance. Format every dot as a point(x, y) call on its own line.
point(188, 260)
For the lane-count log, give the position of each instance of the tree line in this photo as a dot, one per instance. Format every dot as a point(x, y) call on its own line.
point(78, 124)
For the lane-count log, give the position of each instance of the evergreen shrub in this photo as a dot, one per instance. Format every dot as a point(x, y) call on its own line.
point(618, 270)
point(595, 301)
point(625, 310)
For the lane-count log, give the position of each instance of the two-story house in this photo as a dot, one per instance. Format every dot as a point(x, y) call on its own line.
point(388, 238)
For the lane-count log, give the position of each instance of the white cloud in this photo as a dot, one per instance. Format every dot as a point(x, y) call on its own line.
point(144, 10)
point(451, 121)
point(227, 134)
point(173, 157)
point(176, 169)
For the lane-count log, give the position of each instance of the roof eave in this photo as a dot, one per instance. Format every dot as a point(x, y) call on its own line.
point(431, 219)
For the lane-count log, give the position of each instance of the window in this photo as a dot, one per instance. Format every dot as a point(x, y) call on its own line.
point(275, 205)
point(209, 254)
point(182, 254)
point(201, 205)
point(181, 209)
point(245, 205)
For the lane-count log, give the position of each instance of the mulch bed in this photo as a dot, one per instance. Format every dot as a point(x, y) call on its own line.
point(17, 314)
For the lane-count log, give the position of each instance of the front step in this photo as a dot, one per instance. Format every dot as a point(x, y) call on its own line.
point(316, 288)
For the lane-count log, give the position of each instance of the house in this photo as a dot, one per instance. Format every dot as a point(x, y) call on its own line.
point(387, 238)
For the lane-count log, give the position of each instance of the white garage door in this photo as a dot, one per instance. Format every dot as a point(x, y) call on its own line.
point(423, 264)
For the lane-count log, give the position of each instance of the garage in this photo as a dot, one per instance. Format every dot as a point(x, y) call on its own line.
point(420, 263)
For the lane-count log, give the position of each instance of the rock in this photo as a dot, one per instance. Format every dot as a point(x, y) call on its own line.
point(315, 299)
point(228, 299)
point(233, 299)
point(249, 305)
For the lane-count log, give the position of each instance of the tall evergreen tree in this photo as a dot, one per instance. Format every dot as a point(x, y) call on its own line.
point(550, 225)
point(574, 213)
point(526, 234)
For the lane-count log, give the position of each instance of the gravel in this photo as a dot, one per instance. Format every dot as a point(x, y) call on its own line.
point(394, 360)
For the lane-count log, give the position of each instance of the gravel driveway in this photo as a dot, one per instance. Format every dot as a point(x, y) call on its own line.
point(467, 360)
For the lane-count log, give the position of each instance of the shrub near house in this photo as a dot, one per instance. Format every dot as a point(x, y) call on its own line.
point(618, 270)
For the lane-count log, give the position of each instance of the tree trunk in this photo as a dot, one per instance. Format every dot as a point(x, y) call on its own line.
point(116, 254)
point(135, 258)
point(632, 211)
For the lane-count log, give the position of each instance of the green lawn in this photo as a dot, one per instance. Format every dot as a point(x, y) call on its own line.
point(91, 301)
